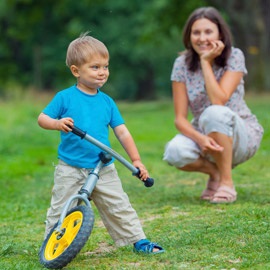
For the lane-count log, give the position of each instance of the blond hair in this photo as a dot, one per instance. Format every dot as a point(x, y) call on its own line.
point(83, 49)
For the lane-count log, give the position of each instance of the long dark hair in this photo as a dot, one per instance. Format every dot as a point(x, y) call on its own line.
point(210, 13)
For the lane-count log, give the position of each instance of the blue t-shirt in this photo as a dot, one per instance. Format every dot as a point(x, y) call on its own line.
point(91, 113)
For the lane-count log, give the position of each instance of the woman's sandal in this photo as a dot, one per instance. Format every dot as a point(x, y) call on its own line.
point(147, 247)
point(210, 190)
point(224, 194)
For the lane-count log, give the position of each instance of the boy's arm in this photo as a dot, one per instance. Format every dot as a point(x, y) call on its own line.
point(126, 140)
point(63, 124)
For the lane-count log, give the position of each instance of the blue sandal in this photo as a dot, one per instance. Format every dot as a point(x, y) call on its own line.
point(147, 247)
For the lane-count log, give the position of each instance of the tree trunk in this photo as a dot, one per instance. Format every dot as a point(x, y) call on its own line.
point(249, 21)
point(146, 86)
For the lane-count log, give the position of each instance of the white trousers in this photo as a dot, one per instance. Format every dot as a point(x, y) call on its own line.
point(181, 150)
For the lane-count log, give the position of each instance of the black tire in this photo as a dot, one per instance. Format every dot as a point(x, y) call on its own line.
point(58, 250)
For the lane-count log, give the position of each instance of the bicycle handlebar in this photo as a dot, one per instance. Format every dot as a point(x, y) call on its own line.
point(135, 171)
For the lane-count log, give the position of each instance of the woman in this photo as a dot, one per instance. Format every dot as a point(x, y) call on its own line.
point(208, 79)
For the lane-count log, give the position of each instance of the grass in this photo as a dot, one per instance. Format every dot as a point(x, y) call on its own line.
point(195, 234)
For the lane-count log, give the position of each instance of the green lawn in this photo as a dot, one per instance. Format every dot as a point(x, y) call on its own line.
point(195, 234)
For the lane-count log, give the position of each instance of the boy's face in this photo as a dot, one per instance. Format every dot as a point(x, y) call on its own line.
point(91, 75)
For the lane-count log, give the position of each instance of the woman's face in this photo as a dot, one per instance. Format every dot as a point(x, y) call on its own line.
point(202, 32)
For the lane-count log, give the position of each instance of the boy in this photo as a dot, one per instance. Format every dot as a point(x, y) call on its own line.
point(92, 110)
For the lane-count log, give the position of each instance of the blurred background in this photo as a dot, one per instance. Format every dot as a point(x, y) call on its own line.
point(143, 38)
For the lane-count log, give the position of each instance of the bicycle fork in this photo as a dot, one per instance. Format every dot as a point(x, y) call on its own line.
point(86, 190)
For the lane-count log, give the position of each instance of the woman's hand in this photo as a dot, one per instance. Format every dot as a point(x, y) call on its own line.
point(208, 145)
point(217, 48)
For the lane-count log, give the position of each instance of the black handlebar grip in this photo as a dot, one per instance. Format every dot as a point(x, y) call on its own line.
point(78, 132)
point(149, 182)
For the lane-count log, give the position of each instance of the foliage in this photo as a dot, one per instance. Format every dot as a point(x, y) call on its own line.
point(195, 234)
point(140, 36)
point(143, 38)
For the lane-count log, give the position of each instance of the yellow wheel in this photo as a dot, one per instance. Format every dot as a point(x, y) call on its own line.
point(59, 248)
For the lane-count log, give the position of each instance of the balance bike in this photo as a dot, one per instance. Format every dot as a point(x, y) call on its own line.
point(70, 233)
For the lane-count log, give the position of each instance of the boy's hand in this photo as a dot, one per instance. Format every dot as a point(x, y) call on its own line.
point(143, 172)
point(65, 124)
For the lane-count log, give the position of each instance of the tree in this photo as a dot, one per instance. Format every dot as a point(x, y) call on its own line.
point(143, 38)
point(250, 21)
point(140, 36)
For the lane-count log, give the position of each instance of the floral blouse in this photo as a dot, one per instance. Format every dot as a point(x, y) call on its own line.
point(198, 99)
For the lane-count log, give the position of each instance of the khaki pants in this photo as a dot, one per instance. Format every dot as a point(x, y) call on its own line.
point(115, 210)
